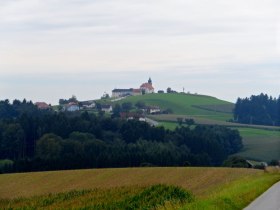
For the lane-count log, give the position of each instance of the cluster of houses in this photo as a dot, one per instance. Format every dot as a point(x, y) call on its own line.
point(74, 105)
point(145, 88)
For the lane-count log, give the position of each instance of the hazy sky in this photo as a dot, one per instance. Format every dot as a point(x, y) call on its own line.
point(52, 49)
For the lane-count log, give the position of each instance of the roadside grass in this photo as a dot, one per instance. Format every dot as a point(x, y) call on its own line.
point(235, 195)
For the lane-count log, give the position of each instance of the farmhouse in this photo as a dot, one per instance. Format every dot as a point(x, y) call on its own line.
point(153, 109)
point(117, 93)
point(106, 108)
point(71, 107)
point(88, 104)
point(145, 88)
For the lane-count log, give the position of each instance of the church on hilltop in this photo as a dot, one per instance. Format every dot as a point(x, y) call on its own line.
point(145, 88)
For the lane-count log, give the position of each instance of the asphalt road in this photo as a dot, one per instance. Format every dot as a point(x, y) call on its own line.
point(270, 200)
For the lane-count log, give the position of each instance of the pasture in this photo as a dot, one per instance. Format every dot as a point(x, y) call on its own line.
point(260, 144)
point(187, 104)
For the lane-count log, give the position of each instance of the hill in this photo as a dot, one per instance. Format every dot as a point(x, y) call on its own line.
point(201, 106)
point(187, 104)
point(260, 142)
point(214, 187)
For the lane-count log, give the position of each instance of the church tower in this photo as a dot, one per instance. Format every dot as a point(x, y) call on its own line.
point(150, 81)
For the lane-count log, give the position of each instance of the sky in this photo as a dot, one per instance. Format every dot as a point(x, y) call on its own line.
point(55, 49)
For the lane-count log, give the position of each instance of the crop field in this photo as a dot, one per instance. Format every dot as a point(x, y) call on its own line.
point(134, 188)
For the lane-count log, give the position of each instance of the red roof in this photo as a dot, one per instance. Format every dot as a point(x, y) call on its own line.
point(147, 86)
point(42, 105)
point(136, 91)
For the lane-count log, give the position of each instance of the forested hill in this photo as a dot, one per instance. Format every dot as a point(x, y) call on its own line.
point(36, 140)
point(258, 109)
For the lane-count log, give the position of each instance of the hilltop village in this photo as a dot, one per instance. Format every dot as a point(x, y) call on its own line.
point(106, 103)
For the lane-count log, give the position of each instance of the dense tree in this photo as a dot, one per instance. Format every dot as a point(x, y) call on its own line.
point(37, 140)
point(12, 141)
point(48, 147)
point(260, 110)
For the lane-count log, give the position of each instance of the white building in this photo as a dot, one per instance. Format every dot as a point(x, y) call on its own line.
point(88, 104)
point(147, 87)
point(72, 107)
point(106, 108)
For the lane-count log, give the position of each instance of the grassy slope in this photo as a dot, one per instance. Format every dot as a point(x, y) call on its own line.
point(212, 187)
point(260, 144)
point(186, 104)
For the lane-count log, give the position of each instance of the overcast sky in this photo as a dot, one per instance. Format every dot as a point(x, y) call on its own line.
point(52, 49)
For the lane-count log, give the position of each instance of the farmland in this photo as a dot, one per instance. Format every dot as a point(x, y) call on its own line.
point(260, 142)
point(190, 187)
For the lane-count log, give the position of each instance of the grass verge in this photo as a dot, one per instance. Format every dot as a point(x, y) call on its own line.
point(236, 195)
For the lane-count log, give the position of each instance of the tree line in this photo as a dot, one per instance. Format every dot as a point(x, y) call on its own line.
point(258, 109)
point(34, 140)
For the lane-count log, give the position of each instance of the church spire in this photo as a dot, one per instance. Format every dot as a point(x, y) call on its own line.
point(150, 81)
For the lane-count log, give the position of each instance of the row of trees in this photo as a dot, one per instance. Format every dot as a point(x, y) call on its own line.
point(48, 141)
point(17, 108)
point(258, 109)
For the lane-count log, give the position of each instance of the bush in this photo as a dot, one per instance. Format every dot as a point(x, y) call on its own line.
point(6, 165)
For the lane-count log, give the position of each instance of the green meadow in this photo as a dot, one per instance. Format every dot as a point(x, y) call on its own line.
point(187, 104)
point(260, 144)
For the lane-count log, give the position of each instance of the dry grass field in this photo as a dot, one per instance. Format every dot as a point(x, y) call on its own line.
point(135, 188)
point(197, 180)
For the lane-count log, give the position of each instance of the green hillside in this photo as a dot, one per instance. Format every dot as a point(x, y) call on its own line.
point(187, 104)
point(260, 142)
